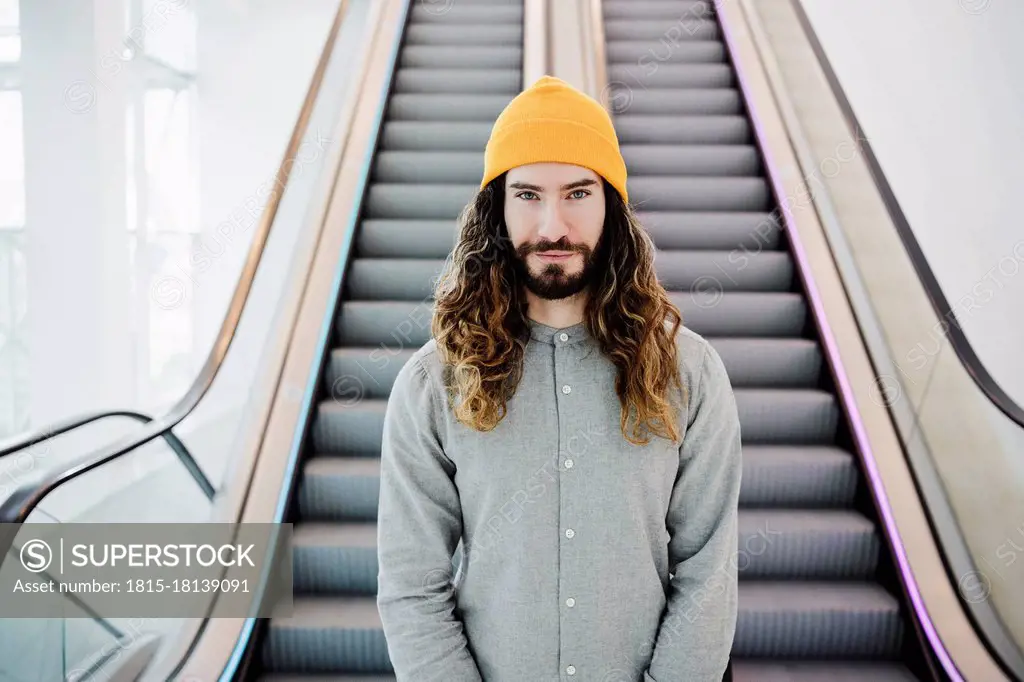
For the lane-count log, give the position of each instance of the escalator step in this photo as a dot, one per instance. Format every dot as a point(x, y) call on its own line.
point(457, 12)
point(457, 81)
point(674, 75)
point(340, 489)
point(776, 619)
point(341, 558)
point(336, 488)
point(484, 34)
point(455, 136)
point(354, 373)
point(649, 129)
point(440, 108)
point(413, 279)
point(448, 57)
point(656, 9)
point(651, 54)
point(708, 311)
point(819, 671)
point(699, 160)
point(689, 26)
point(627, 98)
point(767, 416)
point(699, 194)
point(742, 233)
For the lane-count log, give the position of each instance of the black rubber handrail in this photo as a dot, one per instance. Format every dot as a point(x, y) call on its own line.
point(957, 338)
point(17, 507)
point(60, 428)
point(173, 442)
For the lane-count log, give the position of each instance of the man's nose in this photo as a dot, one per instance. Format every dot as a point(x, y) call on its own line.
point(553, 225)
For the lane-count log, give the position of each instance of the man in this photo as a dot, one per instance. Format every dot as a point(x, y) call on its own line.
point(561, 423)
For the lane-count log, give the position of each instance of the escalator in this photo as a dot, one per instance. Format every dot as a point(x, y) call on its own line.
point(458, 67)
point(819, 597)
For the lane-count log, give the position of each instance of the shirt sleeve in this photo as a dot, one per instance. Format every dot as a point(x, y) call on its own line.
point(696, 633)
point(419, 526)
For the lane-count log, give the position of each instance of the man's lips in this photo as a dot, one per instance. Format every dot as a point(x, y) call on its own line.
point(555, 255)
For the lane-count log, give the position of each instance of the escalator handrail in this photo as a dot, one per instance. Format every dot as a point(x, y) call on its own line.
point(961, 345)
point(62, 427)
point(173, 442)
point(17, 507)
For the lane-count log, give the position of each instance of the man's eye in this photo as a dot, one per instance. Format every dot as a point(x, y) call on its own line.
point(581, 194)
point(523, 195)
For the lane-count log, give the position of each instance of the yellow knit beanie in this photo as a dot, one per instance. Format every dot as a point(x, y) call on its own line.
point(551, 121)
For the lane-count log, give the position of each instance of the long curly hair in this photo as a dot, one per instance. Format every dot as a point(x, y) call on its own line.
point(481, 328)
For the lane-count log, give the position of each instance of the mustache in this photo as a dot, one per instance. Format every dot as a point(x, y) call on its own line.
point(561, 245)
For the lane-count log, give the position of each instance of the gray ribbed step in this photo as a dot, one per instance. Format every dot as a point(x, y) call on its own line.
point(449, 57)
point(793, 544)
point(656, 9)
point(707, 311)
point(669, 75)
point(340, 489)
point(425, 167)
point(648, 55)
point(778, 619)
point(768, 416)
point(659, 102)
point(819, 671)
point(457, 12)
point(354, 373)
point(798, 476)
point(787, 416)
point(412, 279)
point(426, 107)
point(643, 129)
point(347, 488)
point(817, 620)
point(326, 634)
point(389, 238)
point(388, 200)
point(701, 160)
point(744, 232)
point(342, 557)
point(699, 194)
point(349, 428)
point(735, 270)
point(741, 231)
point(458, 81)
point(436, 135)
point(335, 558)
point(683, 26)
point(455, 35)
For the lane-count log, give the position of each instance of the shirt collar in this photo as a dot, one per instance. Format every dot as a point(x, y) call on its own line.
point(565, 336)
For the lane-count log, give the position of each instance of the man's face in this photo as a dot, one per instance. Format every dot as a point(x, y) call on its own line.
point(555, 218)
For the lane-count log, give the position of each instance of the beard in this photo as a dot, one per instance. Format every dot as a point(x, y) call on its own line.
point(553, 281)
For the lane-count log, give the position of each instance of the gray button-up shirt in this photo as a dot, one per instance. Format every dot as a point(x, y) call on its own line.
point(583, 556)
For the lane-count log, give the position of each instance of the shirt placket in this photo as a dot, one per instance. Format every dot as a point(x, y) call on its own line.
point(568, 594)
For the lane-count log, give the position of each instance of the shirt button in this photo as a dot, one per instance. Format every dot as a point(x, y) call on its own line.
point(570, 602)
point(569, 533)
point(571, 670)
point(566, 389)
point(563, 336)
point(568, 464)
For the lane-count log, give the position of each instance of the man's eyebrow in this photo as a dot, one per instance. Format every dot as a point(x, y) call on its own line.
point(585, 182)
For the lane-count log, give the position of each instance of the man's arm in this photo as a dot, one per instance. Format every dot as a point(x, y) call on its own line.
point(697, 627)
point(418, 528)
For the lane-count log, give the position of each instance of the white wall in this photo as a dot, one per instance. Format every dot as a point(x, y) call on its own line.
point(936, 85)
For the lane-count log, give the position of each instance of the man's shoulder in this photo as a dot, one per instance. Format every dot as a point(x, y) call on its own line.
point(423, 364)
point(692, 349)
